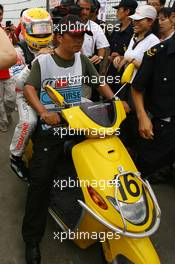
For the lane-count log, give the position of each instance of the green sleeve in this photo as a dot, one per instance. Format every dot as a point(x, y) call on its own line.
point(34, 78)
point(90, 75)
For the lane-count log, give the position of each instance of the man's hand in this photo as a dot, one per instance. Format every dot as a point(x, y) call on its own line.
point(116, 61)
point(51, 118)
point(145, 127)
point(12, 28)
point(46, 51)
point(113, 55)
point(95, 59)
point(123, 62)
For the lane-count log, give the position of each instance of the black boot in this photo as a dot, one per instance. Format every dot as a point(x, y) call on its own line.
point(32, 253)
point(18, 166)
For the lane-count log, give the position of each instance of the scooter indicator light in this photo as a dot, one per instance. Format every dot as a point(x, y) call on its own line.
point(96, 197)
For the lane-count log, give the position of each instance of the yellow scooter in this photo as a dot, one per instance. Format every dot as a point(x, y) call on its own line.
point(102, 196)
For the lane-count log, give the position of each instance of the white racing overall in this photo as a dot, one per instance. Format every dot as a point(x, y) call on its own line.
point(27, 116)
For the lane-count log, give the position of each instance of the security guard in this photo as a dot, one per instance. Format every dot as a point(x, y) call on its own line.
point(154, 98)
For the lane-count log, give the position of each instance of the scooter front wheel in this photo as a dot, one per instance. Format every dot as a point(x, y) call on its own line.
point(118, 260)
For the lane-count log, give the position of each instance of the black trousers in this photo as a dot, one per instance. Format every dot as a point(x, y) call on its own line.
point(46, 153)
point(159, 152)
point(149, 155)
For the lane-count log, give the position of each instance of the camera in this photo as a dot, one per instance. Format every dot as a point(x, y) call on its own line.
point(8, 23)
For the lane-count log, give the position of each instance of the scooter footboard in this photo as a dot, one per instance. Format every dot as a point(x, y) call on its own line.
point(138, 251)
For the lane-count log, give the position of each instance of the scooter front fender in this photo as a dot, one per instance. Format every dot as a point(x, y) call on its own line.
point(138, 251)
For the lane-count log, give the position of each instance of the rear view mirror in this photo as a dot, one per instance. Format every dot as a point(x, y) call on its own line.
point(56, 97)
point(127, 75)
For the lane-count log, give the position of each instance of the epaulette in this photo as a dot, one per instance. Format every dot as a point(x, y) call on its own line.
point(124, 47)
point(154, 50)
point(151, 52)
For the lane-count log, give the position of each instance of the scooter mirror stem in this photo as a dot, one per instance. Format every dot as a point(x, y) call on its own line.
point(121, 88)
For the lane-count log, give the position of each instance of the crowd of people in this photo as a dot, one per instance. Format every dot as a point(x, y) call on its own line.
point(46, 48)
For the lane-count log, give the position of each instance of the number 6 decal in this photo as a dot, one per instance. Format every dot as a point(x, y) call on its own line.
point(128, 183)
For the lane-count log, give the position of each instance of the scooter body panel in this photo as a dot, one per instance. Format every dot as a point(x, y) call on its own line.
point(91, 126)
point(97, 162)
point(138, 251)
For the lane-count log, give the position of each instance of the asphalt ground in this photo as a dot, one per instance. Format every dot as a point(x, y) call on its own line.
point(12, 202)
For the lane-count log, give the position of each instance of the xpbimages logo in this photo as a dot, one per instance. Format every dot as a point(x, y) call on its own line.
point(101, 132)
point(69, 26)
point(66, 27)
point(102, 184)
point(101, 236)
point(89, 80)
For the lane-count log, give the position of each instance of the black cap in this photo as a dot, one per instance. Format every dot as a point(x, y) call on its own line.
point(71, 24)
point(64, 9)
point(127, 3)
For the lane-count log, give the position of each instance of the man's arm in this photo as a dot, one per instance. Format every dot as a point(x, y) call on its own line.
point(105, 63)
point(139, 85)
point(31, 95)
point(8, 56)
point(94, 79)
point(96, 59)
point(101, 44)
point(102, 52)
point(99, 83)
point(105, 91)
point(50, 118)
point(31, 88)
point(145, 124)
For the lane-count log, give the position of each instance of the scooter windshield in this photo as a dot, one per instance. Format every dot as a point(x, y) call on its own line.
point(102, 113)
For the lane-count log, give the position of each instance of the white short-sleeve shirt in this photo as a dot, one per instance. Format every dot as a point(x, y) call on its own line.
point(138, 52)
point(98, 39)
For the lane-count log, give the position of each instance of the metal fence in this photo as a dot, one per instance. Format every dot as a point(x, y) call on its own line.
point(12, 8)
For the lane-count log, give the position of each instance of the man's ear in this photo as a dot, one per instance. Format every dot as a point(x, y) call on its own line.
point(127, 12)
point(172, 18)
point(59, 38)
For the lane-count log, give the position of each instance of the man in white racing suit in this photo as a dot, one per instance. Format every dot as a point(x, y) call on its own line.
point(37, 33)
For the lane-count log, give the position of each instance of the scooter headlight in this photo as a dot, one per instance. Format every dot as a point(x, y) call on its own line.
point(135, 212)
